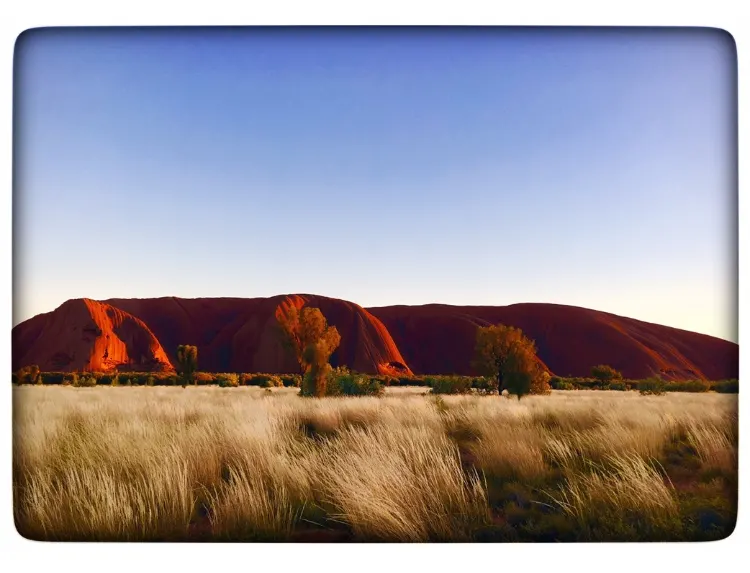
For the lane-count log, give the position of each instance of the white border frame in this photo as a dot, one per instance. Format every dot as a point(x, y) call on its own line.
point(18, 552)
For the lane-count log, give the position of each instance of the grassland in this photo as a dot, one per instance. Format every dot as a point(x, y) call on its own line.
point(253, 464)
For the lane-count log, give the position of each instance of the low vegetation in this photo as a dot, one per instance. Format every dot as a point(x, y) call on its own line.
point(252, 464)
point(446, 384)
point(605, 373)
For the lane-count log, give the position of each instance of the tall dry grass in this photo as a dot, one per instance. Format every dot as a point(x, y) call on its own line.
point(160, 463)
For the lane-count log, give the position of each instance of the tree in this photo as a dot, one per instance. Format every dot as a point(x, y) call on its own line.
point(605, 373)
point(507, 355)
point(306, 332)
point(187, 362)
point(28, 374)
point(314, 382)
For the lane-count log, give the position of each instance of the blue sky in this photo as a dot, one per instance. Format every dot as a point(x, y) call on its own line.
point(380, 166)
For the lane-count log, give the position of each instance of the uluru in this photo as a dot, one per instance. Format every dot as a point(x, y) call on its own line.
point(241, 335)
point(87, 335)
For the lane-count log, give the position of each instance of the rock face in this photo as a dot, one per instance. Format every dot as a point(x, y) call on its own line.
point(240, 335)
point(570, 340)
point(86, 335)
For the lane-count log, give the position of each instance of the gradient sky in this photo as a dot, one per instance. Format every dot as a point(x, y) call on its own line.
point(487, 167)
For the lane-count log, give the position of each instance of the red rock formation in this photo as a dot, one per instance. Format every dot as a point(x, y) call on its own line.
point(570, 340)
point(240, 335)
point(85, 335)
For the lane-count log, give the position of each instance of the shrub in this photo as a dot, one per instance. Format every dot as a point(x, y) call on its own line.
point(540, 382)
point(484, 385)
point(726, 386)
point(135, 379)
point(688, 386)
point(204, 378)
point(605, 373)
point(53, 377)
point(103, 378)
point(95, 375)
point(651, 386)
point(619, 386)
point(27, 374)
point(85, 382)
point(228, 380)
point(409, 381)
point(255, 379)
point(273, 382)
point(560, 383)
point(451, 385)
point(291, 380)
point(341, 382)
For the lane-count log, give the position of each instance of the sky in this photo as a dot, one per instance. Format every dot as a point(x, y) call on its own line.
point(381, 166)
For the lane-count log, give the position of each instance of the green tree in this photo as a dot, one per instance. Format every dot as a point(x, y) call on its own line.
point(187, 362)
point(605, 373)
point(507, 355)
point(307, 333)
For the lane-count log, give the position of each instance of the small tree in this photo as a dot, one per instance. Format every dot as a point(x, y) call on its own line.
point(316, 357)
point(187, 361)
point(507, 355)
point(28, 374)
point(307, 334)
point(605, 373)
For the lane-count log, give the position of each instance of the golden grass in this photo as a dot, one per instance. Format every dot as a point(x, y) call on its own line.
point(160, 463)
point(402, 485)
point(628, 489)
point(716, 447)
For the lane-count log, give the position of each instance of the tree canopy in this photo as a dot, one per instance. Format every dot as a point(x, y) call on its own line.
point(506, 354)
point(605, 373)
point(307, 333)
point(187, 363)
